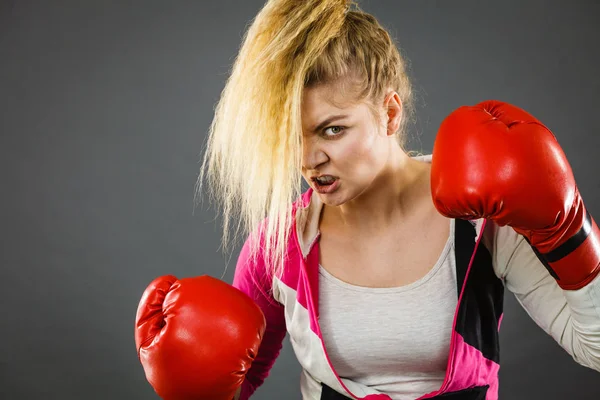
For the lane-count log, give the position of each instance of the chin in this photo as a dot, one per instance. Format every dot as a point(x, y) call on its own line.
point(331, 200)
point(336, 198)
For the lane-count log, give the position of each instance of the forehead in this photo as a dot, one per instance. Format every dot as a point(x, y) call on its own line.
point(326, 98)
point(339, 93)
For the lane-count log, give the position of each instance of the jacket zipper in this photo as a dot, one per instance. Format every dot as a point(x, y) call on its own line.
point(450, 368)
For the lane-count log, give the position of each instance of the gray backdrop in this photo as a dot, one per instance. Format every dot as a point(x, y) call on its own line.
point(105, 106)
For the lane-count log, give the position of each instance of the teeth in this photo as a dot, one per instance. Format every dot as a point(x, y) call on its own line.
point(325, 179)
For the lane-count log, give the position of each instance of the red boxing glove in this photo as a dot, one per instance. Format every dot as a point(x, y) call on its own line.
point(196, 337)
point(496, 161)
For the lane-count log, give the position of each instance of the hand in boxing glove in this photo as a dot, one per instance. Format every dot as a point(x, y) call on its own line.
point(196, 337)
point(495, 161)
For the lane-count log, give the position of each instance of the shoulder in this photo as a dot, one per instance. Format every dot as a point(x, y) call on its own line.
point(252, 262)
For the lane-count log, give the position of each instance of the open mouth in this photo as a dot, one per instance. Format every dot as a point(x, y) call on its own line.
point(325, 183)
point(325, 180)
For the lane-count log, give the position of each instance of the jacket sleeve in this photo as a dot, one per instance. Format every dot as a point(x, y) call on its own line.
point(571, 317)
point(251, 278)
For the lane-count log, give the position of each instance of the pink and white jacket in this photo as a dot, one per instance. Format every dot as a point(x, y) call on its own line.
point(290, 305)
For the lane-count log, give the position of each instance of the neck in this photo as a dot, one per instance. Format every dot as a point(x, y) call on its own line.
point(390, 198)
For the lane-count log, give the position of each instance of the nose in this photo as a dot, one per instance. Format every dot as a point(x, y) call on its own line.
point(313, 155)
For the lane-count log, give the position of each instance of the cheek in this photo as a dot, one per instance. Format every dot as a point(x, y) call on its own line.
point(360, 157)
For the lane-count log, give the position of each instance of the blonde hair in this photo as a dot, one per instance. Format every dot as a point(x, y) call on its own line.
point(253, 157)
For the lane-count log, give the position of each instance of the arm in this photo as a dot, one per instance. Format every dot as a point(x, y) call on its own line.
point(496, 161)
point(251, 278)
point(571, 317)
point(238, 393)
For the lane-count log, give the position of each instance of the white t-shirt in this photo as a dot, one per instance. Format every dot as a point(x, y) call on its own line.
point(395, 340)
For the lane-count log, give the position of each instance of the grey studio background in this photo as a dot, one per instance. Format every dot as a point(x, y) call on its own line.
point(104, 110)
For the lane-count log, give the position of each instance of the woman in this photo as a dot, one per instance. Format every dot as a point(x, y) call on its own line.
point(388, 273)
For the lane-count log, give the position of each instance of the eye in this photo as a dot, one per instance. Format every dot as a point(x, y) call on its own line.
point(334, 131)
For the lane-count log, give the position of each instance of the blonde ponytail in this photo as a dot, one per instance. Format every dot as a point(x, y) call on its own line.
point(252, 161)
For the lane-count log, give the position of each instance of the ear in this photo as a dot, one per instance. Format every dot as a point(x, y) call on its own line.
point(393, 105)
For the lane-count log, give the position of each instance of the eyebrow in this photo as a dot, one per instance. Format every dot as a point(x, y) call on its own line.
point(328, 121)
